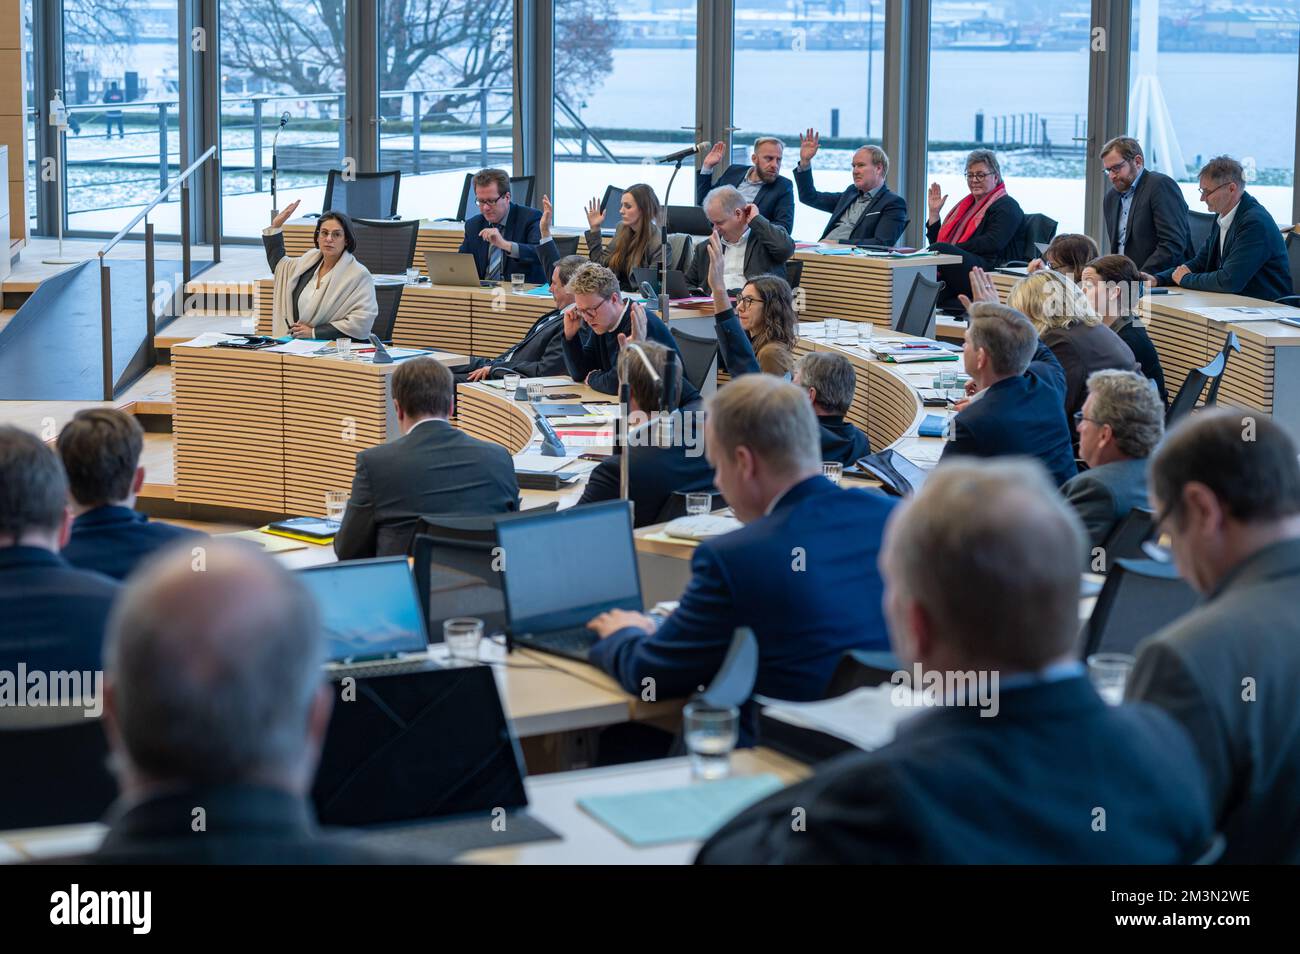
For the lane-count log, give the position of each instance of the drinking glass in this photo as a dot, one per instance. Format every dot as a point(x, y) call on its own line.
point(865, 330)
point(833, 471)
point(711, 733)
point(336, 501)
point(517, 282)
point(462, 636)
point(536, 391)
point(1109, 673)
point(412, 276)
point(343, 348)
point(832, 326)
point(948, 379)
point(698, 504)
point(511, 382)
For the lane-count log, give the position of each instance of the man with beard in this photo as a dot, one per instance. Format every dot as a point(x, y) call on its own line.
point(760, 183)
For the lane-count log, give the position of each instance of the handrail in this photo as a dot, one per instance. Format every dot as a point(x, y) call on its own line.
point(208, 154)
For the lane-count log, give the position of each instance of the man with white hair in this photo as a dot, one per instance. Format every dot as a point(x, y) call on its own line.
point(751, 245)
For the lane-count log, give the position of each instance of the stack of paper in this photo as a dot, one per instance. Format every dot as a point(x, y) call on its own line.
point(208, 339)
point(866, 718)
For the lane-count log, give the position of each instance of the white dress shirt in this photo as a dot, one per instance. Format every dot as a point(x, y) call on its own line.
point(733, 261)
point(1225, 223)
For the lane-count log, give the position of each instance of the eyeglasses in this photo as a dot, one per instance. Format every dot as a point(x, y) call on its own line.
point(588, 313)
point(334, 234)
point(744, 301)
point(1079, 419)
point(1206, 195)
point(978, 176)
point(487, 203)
point(1153, 546)
point(1112, 170)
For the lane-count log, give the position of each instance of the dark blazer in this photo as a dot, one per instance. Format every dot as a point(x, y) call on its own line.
point(520, 226)
point(803, 577)
point(114, 540)
point(1159, 236)
point(775, 200)
point(1254, 262)
point(1228, 671)
point(1021, 788)
point(599, 353)
point(246, 825)
point(434, 469)
point(52, 615)
point(654, 475)
point(842, 441)
point(1083, 349)
point(1022, 416)
point(273, 245)
point(768, 249)
point(992, 243)
point(1139, 342)
point(1103, 496)
point(882, 222)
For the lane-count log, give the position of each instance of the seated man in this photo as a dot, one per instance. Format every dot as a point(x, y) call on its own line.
point(612, 321)
point(760, 183)
point(801, 572)
point(52, 615)
point(503, 236)
point(1121, 423)
point(866, 214)
point(982, 597)
point(1227, 487)
point(829, 380)
point(1018, 407)
point(434, 468)
point(660, 464)
point(751, 245)
point(101, 450)
point(1244, 253)
point(216, 711)
point(540, 353)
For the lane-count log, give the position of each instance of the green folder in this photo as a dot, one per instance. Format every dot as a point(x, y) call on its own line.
point(690, 813)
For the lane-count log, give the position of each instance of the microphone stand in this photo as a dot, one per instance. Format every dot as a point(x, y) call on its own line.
point(275, 168)
point(663, 238)
point(621, 448)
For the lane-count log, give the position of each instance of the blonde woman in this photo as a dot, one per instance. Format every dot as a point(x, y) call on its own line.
point(637, 242)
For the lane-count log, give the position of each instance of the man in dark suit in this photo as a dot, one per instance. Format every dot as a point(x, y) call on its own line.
point(661, 464)
point(434, 468)
point(1018, 402)
point(1145, 212)
point(1227, 488)
point(830, 381)
point(100, 448)
point(865, 214)
point(52, 615)
point(1121, 423)
point(801, 572)
point(503, 237)
point(216, 711)
point(751, 245)
point(1017, 760)
point(1244, 253)
point(760, 183)
point(612, 322)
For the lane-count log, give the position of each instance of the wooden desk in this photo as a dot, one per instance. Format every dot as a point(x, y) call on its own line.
point(860, 287)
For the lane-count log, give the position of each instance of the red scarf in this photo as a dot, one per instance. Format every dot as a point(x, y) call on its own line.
point(966, 218)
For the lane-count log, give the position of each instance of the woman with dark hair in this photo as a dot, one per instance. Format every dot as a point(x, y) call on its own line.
point(637, 242)
point(1113, 285)
point(766, 312)
point(324, 293)
point(1067, 254)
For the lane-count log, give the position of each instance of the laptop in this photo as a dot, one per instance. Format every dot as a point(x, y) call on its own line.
point(611, 201)
point(372, 616)
point(454, 268)
point(1042, 249)
point(425, 761)
point(677, 287)
point(689, 219)
point(548, 601)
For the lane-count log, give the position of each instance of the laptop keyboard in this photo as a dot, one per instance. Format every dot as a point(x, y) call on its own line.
point(394, 667)
point(575, 642)
point(458, 835)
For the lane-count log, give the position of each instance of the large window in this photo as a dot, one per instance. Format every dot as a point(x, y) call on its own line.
point(624, 95)
point(783, 55)
point(1016, 83)
point(30, 118)
point(1212, 78)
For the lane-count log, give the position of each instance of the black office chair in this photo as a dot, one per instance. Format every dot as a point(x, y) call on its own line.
point(1124, 542)
point(385, 247)
point(793, 272)
point(859, 668)
point(388, 298)
point(1200, 224)
point(699, 354)
point(918, 314)
point(1139, 598)
point(55, 775)
point(363, 195)
point(1185, 402)
point(565, 245)
point(1035, 229)
point(675, 505)
point(521, 191)
point(1293, 253)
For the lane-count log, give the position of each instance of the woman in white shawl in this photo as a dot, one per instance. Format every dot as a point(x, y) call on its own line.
point(325, 293)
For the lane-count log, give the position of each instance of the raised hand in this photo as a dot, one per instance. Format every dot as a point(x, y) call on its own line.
point(286, 215)
point(595, 214)
point(935, 200)
point(717, 269)
point(638, 326)
point(715, 155)
point(809, 143)
point(982, 286)
point(544, 226)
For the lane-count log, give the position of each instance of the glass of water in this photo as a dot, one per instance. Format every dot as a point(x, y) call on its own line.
point(698, 504)
point(832, 327)
point(511, 381)
point(710, 733)
point(343, 348)
point(1109, 673)
point(865, 330)
point(536, 391)
point(948, 379)
point(462, 636)
point(336, 501)
point(412, 276)
point(517, 282)
point(833, 471)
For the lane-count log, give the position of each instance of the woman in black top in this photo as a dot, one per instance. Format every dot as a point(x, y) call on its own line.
point(1113, 285)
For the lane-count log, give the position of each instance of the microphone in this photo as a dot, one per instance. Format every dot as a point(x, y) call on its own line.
point(681, 154)
point(668, 401)
point(284, 119)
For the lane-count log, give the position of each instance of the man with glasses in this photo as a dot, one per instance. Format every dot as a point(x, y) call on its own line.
point(1146, 214)
point(867, 213)
point(503, 237)
point(1226, 486)
point(760, 183)
point(751, 245)
point(1244, 253)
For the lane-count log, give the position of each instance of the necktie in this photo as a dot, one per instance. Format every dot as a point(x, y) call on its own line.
point(494, 264)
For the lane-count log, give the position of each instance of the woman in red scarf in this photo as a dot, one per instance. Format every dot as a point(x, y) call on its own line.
point(981, 229)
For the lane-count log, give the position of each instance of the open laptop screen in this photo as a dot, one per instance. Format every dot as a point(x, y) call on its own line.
point(563, 568)
point(369, 608)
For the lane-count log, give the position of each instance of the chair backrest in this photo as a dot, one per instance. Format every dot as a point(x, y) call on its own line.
point(1138, 598)
point(859, 668)
point(734, 682)
point(1230, 344)
point(55, 774)
point(521, 191)
point(1293, 252)
point(386, 248)
point(389, 299)
point(565, 245)
point(363, 195)
point(680, 249)
point(1125, 541)
point(699, 354)
point(1035, 229)
point(1190, 393)
point(1200, 224)
point(917, 317)
point(793, 272)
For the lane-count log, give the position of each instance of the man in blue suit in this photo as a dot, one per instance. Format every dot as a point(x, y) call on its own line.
point(801, 573)
point(761, 183)
point(1018, 405)
point(1244, 253)
point(503, 237)
point(100, 448)
point(52, 615)
point(865, 214)
point(1008, 755)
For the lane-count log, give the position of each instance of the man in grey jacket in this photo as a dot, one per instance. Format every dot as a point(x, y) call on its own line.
point(751, 245)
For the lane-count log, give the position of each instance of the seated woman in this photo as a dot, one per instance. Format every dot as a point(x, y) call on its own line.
point(325, 293)
point(637, 242)
point(1113, 285)
point(981, 229)
point(1067, 254)
point(759, 333)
